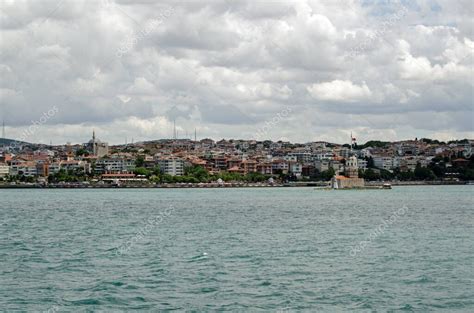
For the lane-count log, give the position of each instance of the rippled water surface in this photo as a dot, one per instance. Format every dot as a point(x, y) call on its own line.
point(272, 250)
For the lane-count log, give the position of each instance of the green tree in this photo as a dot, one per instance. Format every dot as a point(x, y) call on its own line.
point(370, 162)
point(424, 173)
point(328, 175)
point(142, 171)
point(387, 175)
point(370, 174)
point(140, 161)
point(81, 152)
point(198, 172)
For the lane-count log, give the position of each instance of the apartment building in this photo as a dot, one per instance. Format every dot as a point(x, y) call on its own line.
point(4, 170)
point(23, 168)
point(114, 165)
point(172, 166)
point(383, 162)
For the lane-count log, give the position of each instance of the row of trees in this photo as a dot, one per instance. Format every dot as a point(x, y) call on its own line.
point(198, 174)
point(437, 169)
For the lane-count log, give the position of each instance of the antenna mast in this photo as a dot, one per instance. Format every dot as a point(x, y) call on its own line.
point(174, 129)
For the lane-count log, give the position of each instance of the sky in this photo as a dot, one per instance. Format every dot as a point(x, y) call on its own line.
point(282, 70)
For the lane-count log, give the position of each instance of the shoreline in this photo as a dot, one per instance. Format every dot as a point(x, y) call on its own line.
point(227, 185)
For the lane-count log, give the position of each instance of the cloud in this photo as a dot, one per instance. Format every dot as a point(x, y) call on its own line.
point(226, 67)
point(340, 90)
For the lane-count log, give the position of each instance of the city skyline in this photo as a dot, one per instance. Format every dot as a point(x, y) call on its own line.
point(191, 137)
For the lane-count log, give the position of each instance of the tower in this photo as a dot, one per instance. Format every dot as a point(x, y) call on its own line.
point(174, 129)
point(352, 168)
point(94, 144)
point(3, 129)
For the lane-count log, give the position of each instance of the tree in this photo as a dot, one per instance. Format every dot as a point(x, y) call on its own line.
point(142, 171)
point(438, 167)
point(167, 178)
point(255, 177)
point(198, 172)
point(424, 173)
point(370, 174)
point(156, 170)
point(370, 162)
point(329, 174)
point(404, 176)
point(374, 143)
point(140, 161)
point(387, 175)
point(81, 152)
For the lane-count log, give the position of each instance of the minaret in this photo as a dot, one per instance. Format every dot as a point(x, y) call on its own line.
point(94, 145)
point(351, 142)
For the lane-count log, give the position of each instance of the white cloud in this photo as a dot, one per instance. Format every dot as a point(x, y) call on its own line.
point(340, 90)
point(228, 66)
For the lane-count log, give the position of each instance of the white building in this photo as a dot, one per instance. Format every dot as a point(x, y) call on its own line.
point(114, 165)
point(280, 165)
point(365, 153)
point(23, 168)
point(383, 162)
point(54, 168)
point(362, 164)
point(321, 165)
point(301, 156)
point(171, 166)
point(75, 165)
point(296, 169)
point(290, 158)
point(4, 170)
point(324, 155)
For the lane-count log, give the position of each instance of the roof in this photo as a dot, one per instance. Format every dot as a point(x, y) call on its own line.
point(460, 160)
point(118, 175)
point(199, 161)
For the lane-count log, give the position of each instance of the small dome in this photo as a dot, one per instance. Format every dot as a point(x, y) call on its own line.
point(96, 141)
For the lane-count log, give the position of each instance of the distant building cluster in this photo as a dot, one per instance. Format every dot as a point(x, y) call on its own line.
point(284, 160)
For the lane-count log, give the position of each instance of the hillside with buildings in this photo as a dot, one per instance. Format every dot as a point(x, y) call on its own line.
point(189, 161)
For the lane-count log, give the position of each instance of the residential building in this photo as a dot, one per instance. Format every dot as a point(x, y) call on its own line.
point(4, 170)
point(264, 168)
point(383, 162)
point(249, 166)
point(362, 164)
point(23, 168)
point(321, 165)
point(296, 168)
point(172, 166)
point(114, 165)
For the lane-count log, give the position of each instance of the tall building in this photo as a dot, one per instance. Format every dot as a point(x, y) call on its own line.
point(97, 147)
point(352, 167)
point(171, 166)
point(4, 170)
point(351, 180)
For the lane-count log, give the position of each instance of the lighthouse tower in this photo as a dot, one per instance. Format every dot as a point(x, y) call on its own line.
point(352, 167)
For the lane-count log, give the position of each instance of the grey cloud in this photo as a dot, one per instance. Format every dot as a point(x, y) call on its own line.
point(223, 66)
